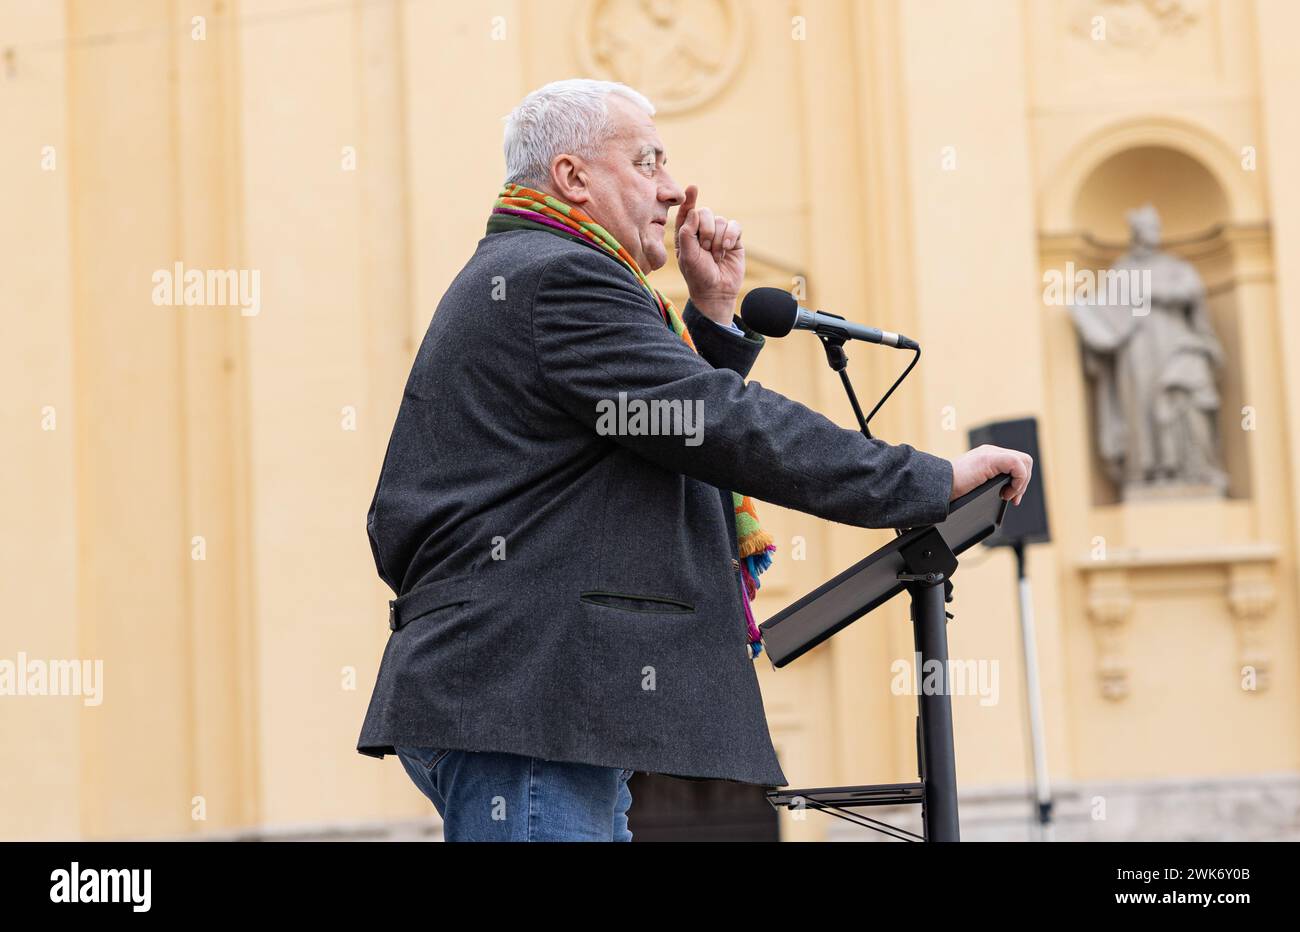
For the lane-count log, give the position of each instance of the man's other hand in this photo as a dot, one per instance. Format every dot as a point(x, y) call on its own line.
point(972, 469)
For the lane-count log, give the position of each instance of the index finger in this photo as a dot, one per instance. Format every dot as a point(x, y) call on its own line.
point(686, 206)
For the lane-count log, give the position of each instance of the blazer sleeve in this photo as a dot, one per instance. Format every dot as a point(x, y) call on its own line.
point(597, 334)
point(722, 348)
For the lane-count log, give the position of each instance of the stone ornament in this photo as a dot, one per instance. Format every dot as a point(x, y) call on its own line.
point(679, 53)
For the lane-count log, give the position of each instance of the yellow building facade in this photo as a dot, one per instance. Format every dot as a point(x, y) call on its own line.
point(187, 478)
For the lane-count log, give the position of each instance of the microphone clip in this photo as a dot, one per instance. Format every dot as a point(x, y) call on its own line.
point(836, 358)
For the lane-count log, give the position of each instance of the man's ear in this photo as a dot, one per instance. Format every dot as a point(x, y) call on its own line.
point(569, 179)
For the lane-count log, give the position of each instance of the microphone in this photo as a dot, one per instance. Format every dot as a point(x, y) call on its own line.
point(774, 313)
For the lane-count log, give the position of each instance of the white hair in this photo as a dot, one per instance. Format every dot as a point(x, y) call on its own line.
point(570, 116)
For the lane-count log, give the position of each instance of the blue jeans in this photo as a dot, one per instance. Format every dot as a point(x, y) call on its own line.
point(491, 796)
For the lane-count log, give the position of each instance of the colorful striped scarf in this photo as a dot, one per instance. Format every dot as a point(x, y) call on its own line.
point(546, 212)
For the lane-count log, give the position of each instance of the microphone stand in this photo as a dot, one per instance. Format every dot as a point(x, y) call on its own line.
point(838, 360)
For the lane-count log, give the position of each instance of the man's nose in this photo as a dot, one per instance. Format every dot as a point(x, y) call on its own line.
point(669, 192)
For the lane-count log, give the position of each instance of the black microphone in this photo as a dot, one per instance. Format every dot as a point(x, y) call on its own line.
point(774, 313)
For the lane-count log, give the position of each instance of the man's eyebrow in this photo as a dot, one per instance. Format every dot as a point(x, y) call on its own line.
point(647, 149)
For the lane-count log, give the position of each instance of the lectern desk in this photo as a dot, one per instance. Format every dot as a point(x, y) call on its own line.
point(920, 561)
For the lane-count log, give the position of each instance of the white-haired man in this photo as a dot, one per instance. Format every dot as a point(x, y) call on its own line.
point(573, 590)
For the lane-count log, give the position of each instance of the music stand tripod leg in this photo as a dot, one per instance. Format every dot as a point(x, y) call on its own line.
point(938, 758)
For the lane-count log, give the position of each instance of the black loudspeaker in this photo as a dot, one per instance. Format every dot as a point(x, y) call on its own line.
point(1026, 522)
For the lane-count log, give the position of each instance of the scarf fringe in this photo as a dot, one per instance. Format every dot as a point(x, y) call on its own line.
point(756, 543)
point(751, 568)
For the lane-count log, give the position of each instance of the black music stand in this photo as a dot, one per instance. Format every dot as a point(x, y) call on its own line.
point(921, 561)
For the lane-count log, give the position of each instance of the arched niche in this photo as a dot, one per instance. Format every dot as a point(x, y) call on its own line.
point(1232, 170)
point(1189, 199)
point(1196, 185)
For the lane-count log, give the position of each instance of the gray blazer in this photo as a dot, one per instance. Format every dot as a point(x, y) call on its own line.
point(573, 595)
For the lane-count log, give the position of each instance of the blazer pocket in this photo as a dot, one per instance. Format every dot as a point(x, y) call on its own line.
point(429, 597)
point(640, 604)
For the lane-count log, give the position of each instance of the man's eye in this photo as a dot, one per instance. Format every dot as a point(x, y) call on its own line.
point(646, 166)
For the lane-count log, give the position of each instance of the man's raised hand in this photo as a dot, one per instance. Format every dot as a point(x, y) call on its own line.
point(711, 257)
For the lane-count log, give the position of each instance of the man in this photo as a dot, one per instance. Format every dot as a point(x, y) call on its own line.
point(573, 588)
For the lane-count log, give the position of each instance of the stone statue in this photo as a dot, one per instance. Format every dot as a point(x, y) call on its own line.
point(1153, 357)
